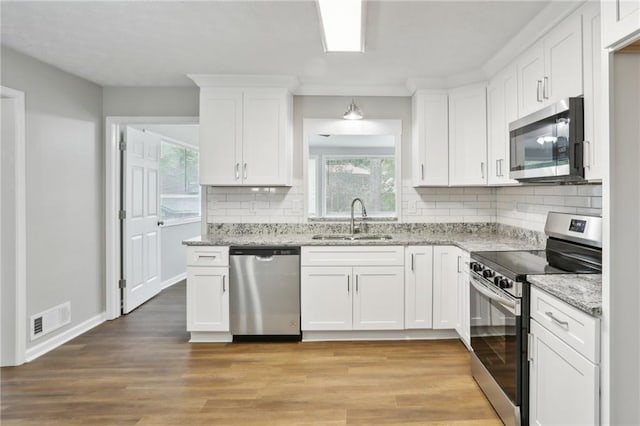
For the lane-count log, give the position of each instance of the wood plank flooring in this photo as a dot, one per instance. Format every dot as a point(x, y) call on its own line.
point(140, 370)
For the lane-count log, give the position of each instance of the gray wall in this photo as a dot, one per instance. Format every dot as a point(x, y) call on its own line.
point(172, 252)
point(151, 101)
point(65, 187)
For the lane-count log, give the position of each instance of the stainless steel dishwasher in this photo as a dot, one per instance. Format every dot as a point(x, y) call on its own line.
point(264, 291)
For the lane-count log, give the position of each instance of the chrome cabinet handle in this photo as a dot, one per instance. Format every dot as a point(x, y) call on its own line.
point(482, 169)
point(412, 262)
point(356, 283)
point(459, 257)
point(530, 339)
point(422, 171)
point(497, 167)
point(586, 152)
point(348, 284)
point(538, 95)
point(245, 170)
point(564, 324)
point(237, 171)
point(545, 91)
point(224, 287)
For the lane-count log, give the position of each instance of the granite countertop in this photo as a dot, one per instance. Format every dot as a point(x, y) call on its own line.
point(582, 291)
point(466, 241)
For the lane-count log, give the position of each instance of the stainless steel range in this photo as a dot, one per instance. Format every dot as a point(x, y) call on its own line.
point(499, 303)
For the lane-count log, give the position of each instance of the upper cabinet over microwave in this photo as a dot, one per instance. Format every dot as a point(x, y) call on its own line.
point(245, 136)
point(551, 70)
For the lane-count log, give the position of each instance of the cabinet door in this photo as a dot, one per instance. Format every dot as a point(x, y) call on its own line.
point(563, 60)
point(220, 136)
point(430, 139)
point(207, 299)
point(502, 108)
point(563, 385)
point(468, 136)
point(445, 287)
point(418, 287)
point(593, 112)
point(265, 156)
point(378, 301)
point(621, 21)
point(463, 326)
point(326, 294)
point(530, 79)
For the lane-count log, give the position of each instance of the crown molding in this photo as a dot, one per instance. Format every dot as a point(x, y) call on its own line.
point(245, 80)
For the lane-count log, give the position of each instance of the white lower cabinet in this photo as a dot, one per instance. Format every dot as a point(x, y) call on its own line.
point(207, 299)
point(418, 287)
point(563, 384)
point(445, 287)
point(563, 369)
point(207, 289)
point(335, 298)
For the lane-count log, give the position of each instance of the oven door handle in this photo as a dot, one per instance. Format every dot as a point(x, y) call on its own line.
point(512, 306)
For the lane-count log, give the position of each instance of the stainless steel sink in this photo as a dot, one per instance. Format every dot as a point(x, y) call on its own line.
point(352, 237)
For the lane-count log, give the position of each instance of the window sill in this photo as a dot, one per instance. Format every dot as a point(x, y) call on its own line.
point(177, 222)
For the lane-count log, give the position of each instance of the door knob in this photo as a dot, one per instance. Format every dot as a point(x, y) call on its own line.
point(160, 222)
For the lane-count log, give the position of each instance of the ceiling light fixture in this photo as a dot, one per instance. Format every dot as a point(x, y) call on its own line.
point(353, 113)
point(342, 25)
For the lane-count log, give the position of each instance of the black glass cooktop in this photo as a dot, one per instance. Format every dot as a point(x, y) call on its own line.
point(518, 263)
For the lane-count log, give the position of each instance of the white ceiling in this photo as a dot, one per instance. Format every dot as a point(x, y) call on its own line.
point(157, 43)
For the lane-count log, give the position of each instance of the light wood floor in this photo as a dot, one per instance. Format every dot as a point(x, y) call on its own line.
point(140, 370)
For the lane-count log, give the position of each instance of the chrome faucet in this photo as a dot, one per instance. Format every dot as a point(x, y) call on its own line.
point(364, 215)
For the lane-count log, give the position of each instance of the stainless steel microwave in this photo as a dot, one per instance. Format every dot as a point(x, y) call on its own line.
point(547, 146)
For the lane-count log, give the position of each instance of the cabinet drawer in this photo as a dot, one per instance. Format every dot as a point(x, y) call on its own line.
point(353, 256)
point(576, 328)
point(207, 256)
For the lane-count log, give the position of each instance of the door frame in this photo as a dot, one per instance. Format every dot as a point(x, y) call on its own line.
point(112, 201)
point(20, 211)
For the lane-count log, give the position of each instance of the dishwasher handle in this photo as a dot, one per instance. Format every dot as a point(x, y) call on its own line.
point(264, 258)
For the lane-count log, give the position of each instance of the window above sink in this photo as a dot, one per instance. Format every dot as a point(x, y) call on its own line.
point(346, 160)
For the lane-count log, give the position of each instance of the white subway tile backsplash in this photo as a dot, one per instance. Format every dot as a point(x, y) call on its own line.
point(521, 206)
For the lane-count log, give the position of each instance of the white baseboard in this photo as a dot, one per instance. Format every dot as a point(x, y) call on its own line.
point(62, 338)
point(174, 280)
point(352, 335)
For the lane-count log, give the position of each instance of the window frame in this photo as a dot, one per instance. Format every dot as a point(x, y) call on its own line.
point(371, 127)
point(191, 219)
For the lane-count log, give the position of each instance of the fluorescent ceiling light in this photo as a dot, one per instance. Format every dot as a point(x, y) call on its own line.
point(342, 25)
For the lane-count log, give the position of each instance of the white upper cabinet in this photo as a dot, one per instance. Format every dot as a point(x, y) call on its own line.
point(502, 108)
point(593, 57)
point(245, 136)
point(620, 21)
point(552, 68)
point(468, 135)
point(430, 138)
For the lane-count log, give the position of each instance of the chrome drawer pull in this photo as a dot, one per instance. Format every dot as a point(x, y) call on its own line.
point(564, 324)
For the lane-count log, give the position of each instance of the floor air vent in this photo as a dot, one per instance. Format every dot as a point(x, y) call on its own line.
point(50, 320)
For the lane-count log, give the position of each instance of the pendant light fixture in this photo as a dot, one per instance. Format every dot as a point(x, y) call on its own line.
point(353, 113)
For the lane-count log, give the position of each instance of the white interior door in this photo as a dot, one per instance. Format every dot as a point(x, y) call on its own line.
point(142, 230)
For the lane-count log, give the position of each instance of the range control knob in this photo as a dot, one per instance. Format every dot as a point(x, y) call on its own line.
point(488, 273)
point(476, 267)
point(504, 283)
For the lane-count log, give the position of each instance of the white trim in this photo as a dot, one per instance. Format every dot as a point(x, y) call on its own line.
point(62, 338)
point(20, 221)
point(351, 91)
point(352, 335)
point(174, 280)
point(112, 202)
point(210, 337)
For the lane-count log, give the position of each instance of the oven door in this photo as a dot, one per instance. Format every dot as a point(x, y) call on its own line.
point(496, 337)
